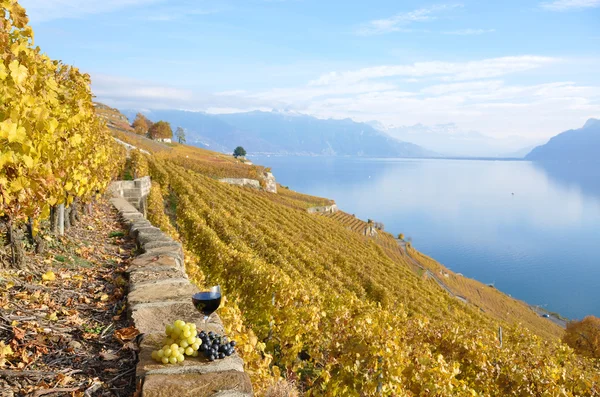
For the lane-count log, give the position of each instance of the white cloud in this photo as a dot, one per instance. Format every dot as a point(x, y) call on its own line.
point(565, 5)
point(45, 10)
point(485, 68)
point(399, 21)
point(469, 32)
point(126, 92)
point(477, 95)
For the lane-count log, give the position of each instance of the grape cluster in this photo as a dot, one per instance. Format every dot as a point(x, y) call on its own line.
point(215, 346)
point(181, 339)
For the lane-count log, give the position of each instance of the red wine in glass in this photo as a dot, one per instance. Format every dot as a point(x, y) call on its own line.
point(207, 302)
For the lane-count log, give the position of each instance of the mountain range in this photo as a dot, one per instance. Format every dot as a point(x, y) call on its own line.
point(450, 140)
point(579, 145)
point(285, 133)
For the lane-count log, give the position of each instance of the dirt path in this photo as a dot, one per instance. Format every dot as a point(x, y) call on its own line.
point(429, 273)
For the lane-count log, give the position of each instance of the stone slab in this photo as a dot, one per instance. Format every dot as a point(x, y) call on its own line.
point(150, 233)
point(228, 383)
point(161, 244)
point(192, 365)
point(170, 252)
point(142, 275)
point(122, 205)
point(145, 262)
point(161, 283)
point(163, 292)
point(153, 317)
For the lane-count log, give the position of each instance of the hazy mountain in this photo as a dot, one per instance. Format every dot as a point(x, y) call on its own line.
point(521, 153)
point(580, 145)
point(285, 133)
point(450, 140)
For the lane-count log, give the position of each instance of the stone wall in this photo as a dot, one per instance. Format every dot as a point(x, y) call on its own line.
point(326, 209)
point(270, 183)
point(242, 182)
point(135, 192)
point(129, 147)
point(160, 293)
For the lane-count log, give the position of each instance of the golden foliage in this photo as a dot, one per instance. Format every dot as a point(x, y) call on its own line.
point(53, 148)
point(312, 300)
point(584, 336)
point(160, 130)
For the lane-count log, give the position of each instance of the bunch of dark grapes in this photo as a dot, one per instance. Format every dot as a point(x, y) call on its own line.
point(215, 346)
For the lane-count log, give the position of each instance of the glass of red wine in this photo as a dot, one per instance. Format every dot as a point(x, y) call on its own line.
point(207, 302)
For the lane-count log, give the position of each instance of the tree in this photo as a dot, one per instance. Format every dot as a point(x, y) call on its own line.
point(239, 152)
point(141, 124)
point(584, 336)
point(180, 134)
point(160, 130)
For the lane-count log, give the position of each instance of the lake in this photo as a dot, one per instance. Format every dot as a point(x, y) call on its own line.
point(533, 230)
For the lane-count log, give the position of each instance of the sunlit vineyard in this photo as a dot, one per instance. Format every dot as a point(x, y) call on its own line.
point(347, 314)
point(489, 300)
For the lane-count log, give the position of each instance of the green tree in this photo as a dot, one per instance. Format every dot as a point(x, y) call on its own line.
point(401, 236)
point(239, 152)
point(180, 134)
point(160, 130)
point(141, 124)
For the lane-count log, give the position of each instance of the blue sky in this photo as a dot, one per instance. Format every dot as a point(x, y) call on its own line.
point(510, 68)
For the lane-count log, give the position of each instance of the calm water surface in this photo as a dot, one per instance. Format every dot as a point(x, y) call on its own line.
point(540, 244)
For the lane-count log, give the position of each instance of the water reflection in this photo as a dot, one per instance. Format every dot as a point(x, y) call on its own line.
point(585, 176)
point(532, 229)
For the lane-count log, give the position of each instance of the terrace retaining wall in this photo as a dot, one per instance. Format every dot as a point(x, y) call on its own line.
point(160, 293)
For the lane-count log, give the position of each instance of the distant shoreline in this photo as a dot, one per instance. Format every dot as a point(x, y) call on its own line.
point(258, 154)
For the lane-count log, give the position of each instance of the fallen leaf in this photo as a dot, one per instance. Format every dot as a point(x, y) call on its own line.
point(64, 380)
point(49, 276)
point(108, 355)
point(19, 333)
point(104, 298)
point(126, 334)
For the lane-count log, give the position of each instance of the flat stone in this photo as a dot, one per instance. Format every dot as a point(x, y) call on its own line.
point(228, 383)
point(171, 252)
point(138, 224)
point(144, 235)
point(146, 262)
point(176, 290)
point(161, 244)
point(152, 318)
point(122, 205)
point(192, 365)
point(230, 393)
point(161, 283)
point(142, 275)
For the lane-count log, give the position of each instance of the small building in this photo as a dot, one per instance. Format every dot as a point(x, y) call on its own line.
point(164, 140)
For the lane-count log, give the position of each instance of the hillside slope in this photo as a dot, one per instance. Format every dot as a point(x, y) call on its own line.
point(579, 145)
point(344, 313)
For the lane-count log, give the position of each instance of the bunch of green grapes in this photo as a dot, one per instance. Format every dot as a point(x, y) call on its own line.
point(181, 341)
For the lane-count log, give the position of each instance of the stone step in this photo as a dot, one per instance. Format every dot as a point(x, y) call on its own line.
point(192, 365)
point(223, 384)
point(162, 291)
point(152, 318)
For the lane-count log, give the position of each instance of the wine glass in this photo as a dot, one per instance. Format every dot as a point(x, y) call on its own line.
point(207, 302)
